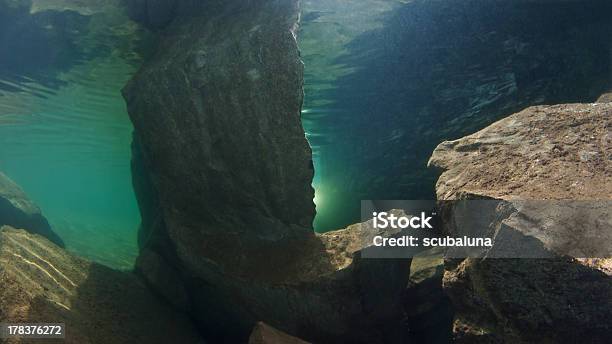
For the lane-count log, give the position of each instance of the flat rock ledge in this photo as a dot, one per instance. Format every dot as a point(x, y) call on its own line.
point(557, 159)
point(42, 283)
point(543, 152)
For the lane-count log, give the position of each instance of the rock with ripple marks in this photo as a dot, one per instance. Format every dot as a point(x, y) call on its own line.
point(42, 283)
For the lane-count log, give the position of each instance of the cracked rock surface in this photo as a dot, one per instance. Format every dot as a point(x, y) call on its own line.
point(543, 156)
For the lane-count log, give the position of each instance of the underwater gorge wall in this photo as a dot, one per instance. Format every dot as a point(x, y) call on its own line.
point(217, 126)
point(223, 173)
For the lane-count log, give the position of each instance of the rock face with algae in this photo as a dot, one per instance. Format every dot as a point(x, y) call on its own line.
point(546, 164)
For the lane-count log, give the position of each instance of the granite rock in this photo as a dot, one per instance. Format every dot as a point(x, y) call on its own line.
point(223, 173)
point(556, 159)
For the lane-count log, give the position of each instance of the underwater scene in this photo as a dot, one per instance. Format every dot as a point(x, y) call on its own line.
point(217, 171)
point(65, 131)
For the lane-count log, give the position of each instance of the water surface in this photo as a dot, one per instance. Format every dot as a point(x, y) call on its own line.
point(64, 131)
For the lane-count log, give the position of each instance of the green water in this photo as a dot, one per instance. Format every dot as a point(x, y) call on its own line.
point(64, 131)
point(386, 81)
point(376, 73)
point(327, 33)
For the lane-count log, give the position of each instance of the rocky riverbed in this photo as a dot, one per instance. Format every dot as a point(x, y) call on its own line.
point(42, 283)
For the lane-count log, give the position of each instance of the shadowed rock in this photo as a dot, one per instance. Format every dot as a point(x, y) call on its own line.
point(543, 165)
point(154, 14)
point(264, 334)
point(217, 123)
point(223, 173)
point(427, 309)
point(17, 210)
point(42, 283)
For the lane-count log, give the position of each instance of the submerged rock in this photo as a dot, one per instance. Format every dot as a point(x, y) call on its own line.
point(265, 334)
point(434, 70)
point(217, 119)
point(544, 152)
point(326, 292)
point(223, 173)
point(42, 283)
point(560, 154)
point(605, 98)
point(17, 210)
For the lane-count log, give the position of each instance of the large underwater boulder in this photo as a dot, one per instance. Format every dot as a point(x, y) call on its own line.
point(17, 210)
point(547, 174)
point(42, 283)
point(222, 171)
point(217, 119)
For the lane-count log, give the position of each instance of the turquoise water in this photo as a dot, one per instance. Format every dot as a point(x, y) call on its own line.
point(64, 131)
point(70, 152)
point(386, 81)
point(328, 31)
